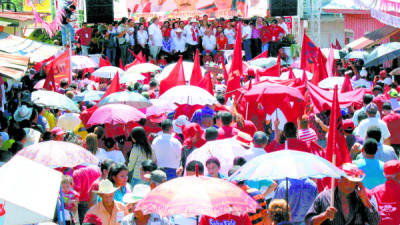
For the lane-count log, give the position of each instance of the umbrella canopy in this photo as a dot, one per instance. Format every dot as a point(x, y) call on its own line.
point(298, 73)
point(383, 53)
point(191, 196)
point(287, 164)
point(58, 154)
point(31, 205)
point(325, 51)
point(187, 94)
point(187, 68)
point(115, 114)
point(54, 100)
point(131, 78)
point(144, 68)
point(108, 72)
point(128, 98)
point(265, 62)
point(79, 62)
point(357, 55)
point(160, 106)
point(330, 82)
point(89, 95)
point(395, 72)
point(225, 150)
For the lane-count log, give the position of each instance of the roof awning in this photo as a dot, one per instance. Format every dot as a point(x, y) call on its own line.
point(13, 66)
point(373, 37)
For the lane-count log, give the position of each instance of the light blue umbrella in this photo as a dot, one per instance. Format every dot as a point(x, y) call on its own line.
point(54, 100)
point(357, 55)
point(383, 53)
point(128, 98)
point(88, 95)
point(287, 164)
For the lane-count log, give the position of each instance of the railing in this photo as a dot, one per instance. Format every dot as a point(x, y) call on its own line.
point(7, 3)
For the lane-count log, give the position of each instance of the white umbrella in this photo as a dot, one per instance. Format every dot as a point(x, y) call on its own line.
point(357, 55)
point(225, 150)
point(159, 106)
point(187, 94)
point(330, 82)
point(79, 62)
point(336, 55)
point(266, 62)
point(131, 78)
point(108, 72)
point(54, 100)
point(127, 98)
point(187, 68)
point(298, 73)
point(144, 68)
point(29, 191)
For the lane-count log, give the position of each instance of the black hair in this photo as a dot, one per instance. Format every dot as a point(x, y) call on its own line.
point(63, 83)
point(387, 106)
point(213, 160)
point(18, 134)
point(72, 6)
point(191, 166)
point(46, 136)
point(374, 132)
point(106, 164)
point(239, 161)
point(140, 137)
point(166, 125)
point(361, 116)
point(221, 99)
point(148, 165)
point(260, 138)
point(367, 98)
point(115, 169)
point(109, 142)
point(290, 130)
point(226, 118)
point(153, 83)
point(370, 146)
point(211, 133)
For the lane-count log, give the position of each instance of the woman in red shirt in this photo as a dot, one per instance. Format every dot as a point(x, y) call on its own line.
point(222, 41)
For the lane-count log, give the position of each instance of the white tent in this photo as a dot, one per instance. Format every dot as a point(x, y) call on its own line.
point(28, 192)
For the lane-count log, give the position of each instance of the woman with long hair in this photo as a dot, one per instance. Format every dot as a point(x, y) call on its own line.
point(118, 175)
point(141, 151)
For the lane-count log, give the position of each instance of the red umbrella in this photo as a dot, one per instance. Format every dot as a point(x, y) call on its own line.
point(272, 95)
point(193, 196)
point(115, 114)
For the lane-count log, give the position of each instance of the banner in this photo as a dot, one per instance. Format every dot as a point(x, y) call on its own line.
point(42, 6)
point(289, 23)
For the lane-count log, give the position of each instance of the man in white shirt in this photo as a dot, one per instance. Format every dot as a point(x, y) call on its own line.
point(178, 43)
point(246, 38)
point(367, 98)
point(167, 150)
point(372, 109)
point(155, 38)
point(283, 25)
point(209, 42)
point(260, 140)
point(131, 38)
point(68, 121)
point(192, 34)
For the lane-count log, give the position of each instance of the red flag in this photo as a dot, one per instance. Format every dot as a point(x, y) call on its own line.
point(120, 64)
point(175, 78)
point(274, 71)
point(196, 77)
point(313, 60)
point(304, 78)
point(104, 62)
point(337, 46)
point(336, 141)
point(330, 62)
point(262, 55)
point(49, 83)
point(60, 68)
point(206, 83)
point(346, 86)
point(226, 76)
point(291, 74)
point(39, 65)
point(236, 70)
point(135, 62)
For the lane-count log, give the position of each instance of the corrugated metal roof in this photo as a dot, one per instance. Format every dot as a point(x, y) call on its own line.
point(13, 66)
point(373, 37)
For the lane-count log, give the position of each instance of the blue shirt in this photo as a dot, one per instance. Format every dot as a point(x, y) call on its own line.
point(301, 195)
point(373, 169)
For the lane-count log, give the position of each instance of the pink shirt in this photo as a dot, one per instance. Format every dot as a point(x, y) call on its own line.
point(83, 180)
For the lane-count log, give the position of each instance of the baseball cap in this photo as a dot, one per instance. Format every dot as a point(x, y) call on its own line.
point(57, 131)
point(391, 167)
point(372, 108)
point(393, 93)
point(348, 125)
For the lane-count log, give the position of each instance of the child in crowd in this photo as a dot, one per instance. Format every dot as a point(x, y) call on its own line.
point(70, 198)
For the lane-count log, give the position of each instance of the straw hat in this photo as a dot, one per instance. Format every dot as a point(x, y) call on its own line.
point(138, 193)
point(106, 187)
point(353, 173)
point(244, 139)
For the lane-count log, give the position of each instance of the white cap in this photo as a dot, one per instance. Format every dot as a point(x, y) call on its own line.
point(363, 72)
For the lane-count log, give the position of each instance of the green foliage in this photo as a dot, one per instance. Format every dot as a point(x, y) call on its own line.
point(41, 36)
point(18, 4)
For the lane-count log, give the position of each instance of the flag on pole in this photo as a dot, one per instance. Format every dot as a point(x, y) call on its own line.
point(330, 62)
point(175, 78)
point(57, 70)
point(236, 70)
point(196, 77)
point(313, 60)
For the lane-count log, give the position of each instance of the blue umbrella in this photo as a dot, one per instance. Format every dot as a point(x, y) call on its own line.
point(88, 95)
point(357, 55)
point(128, 98)
point(383, 53)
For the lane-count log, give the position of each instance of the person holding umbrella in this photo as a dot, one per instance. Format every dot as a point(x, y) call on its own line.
point(351, 204)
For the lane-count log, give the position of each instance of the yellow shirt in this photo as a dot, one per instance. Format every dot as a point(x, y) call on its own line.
point(118, 213)
point(50, 119)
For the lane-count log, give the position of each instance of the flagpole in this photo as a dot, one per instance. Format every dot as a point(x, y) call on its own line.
point(333, 184)
point(70, 64)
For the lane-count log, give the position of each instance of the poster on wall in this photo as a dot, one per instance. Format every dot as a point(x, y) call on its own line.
point(42, 6)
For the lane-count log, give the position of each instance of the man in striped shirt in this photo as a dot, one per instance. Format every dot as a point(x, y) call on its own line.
point(305, 133)
point(261, 212)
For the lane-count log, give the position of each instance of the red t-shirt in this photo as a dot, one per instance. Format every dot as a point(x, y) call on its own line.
point(221, 43)
point(226, 219)
point(265, 34)
point(85, 34)
point(392, 121)
point(275, 32)
point(227, 132)
point(292, 144)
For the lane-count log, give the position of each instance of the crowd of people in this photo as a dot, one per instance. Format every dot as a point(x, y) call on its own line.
point(162, 42)
point(136, 158)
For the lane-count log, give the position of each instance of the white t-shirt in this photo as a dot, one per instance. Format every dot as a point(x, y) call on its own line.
point(369, 122)
point(230, 35)
point(179, 44)
point(209, 42)
point(114, 155)
point(167, 150)
point(155, 31)
point(253, 152)
point(131, 35)
point(246, 30)
point(142, 37)
point(189, 37)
